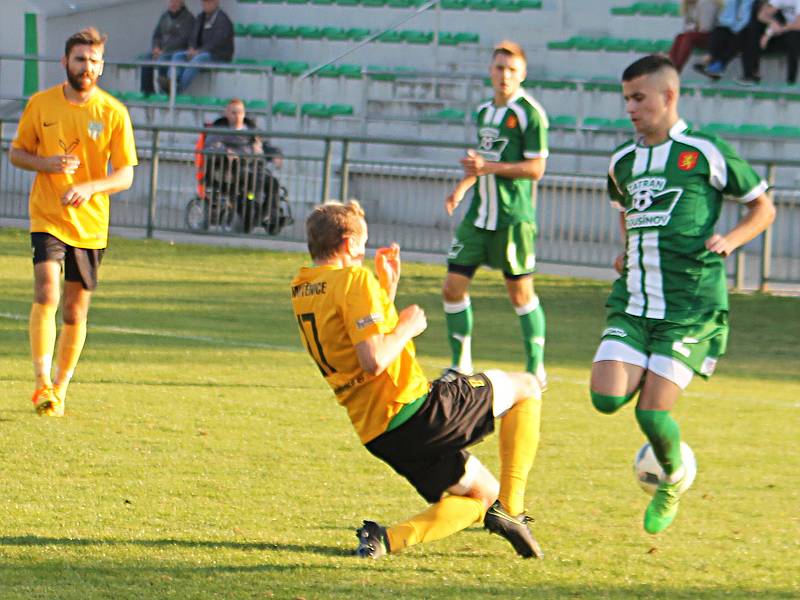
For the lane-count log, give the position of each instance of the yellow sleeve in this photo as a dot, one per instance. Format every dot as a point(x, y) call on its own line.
point(365, 307)
point(27, 130)
point(123, 146)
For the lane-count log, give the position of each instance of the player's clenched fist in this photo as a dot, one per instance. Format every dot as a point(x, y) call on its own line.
point(387, 265)
point(414, 317)
point(77, 194)
point(61, 163)
point(473, 164)
point(719, 244)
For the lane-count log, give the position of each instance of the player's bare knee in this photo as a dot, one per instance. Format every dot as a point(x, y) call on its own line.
point(477, 482)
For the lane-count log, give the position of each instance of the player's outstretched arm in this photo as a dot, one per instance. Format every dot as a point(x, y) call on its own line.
point(60, 163)
point(119, 181)
point(376, 353)
point(760, 215)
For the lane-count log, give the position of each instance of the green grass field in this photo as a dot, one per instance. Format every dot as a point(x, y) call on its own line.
point(202, 456)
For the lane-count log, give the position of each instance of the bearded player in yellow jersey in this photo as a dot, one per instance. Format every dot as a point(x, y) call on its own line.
point(67, 135)
point(364, 350)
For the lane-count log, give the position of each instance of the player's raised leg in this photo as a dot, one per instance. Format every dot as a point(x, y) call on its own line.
point(518, 403)
point(458, 317)
point(72, 336)
point(42, 332)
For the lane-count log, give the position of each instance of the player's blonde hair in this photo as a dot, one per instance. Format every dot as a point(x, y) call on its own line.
point(328, 225)
point(85, 37)
point(509, 48)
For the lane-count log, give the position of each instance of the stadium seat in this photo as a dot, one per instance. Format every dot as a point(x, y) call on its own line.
point(506, 5)
point(454, 4)
point(322, 2)
point(479, 5)
point(466, 37)
point(258, 30)
point(340, 110)
point(240, 29)
point(283, 31)
point(411, 36)
point(292, 68)
point(288, 109)
point(563, 121)
point(391, 37)
point(157, 99)
point(315, 109)
point(399, 3)
point(373, 3)
point(450, 115)
point(260, 105)
point(350, 71)
point(357, 33)
point(347, 2)
point(334, 33)
point(530, 4)
point(309, 33)
point(785, 131)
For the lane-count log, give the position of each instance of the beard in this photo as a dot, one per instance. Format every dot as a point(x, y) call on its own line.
point(78, 83)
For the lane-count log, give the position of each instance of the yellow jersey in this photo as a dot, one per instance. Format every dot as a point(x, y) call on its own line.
point(336, 308)
point(95, 132)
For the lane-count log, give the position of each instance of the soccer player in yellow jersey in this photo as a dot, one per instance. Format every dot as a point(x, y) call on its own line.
point(364, 350)
point(67, 134)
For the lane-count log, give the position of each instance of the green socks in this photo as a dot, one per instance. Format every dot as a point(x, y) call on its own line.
point(531, 317)
point(664, 435)
point(458, 316)
point(610, 404)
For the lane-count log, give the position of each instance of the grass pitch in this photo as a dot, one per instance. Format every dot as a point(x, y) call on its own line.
point(202, 456)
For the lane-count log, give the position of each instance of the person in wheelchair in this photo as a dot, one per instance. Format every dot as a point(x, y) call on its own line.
point(239, 173)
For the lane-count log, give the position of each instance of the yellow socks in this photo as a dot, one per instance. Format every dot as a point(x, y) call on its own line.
point(450, 515)
point(70, 344)
point(42, 332)
point(519, 439)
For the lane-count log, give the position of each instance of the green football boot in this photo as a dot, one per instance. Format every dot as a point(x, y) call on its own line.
point(663, 507)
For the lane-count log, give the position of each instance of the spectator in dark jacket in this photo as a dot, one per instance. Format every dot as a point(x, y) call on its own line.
point(171, 35)
point(777, 30)
point(211, 41)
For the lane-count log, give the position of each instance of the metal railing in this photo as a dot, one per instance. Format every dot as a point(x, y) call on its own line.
point(404, 199)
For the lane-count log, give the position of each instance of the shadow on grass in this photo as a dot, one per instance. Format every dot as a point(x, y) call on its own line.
point(35, 540)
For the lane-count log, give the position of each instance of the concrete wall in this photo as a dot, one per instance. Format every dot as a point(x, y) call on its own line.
point(12, 41)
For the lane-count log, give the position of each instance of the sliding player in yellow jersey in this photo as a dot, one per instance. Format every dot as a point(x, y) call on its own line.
point(67, 135)
point(364, 350)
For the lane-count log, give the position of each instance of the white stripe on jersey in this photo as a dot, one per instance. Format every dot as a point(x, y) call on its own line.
point(538, 107)
point(718, 176)
point(499, 115)
point(489, 115)
point(640, 163)
point(615, 158)
point(521, 116)
point(480, 220)
point(653, 278)
point(762, 187)
point(658, 162)
point(491, 219)
point(634, 282)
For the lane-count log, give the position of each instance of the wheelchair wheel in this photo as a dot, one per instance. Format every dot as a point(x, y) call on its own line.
point(196, 215)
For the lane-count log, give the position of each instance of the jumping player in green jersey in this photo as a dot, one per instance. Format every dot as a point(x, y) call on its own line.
point(667, 315)
point(499, 227)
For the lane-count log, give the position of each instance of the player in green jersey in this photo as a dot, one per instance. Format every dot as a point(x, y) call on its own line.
point(499, 227)
point(667, 313)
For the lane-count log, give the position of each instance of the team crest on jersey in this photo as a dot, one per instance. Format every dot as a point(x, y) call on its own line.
point(491, 145)
point(651, 202)
point(95, 129)
point(687, 160)
point(511, 121)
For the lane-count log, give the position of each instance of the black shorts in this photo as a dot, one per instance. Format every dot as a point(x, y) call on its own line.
point(429, 448)
point(79, 264)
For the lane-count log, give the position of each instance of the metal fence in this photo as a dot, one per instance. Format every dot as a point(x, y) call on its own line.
point(404, 200)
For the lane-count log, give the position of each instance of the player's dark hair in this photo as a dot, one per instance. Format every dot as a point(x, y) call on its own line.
point(85, 37)
point(328, 225)
point(647, 65)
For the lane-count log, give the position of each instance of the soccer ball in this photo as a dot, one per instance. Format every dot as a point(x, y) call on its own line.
point(649, 473)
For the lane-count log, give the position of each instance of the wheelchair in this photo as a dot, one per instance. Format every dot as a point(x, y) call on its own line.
point(236, 193)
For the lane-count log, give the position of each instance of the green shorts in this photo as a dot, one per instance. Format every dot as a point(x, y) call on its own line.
point(511, 249)
point(672, 350)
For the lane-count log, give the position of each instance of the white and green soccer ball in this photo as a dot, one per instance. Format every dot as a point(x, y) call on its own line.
point(649, 473)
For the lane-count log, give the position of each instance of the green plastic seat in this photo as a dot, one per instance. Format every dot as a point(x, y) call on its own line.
point(614, 44)
point(157, 98)
point(598, 122)
point(447, 39)
point(720, 128)
point(258, 30)
point(256, 105)
point(292, 68)
point(454, 4)
point(621, 11)
point(785, 131)
point(563, 121)
point(184, 99)
point(296, 1)
point(350, 71)
point(754, 129)
point(373, 3)
point(315, 109)
point(380, 73)
point(467, 37)
point(307, 32)
point(482, 5)
point(328, 71)
point(133, 96)
point(587, 44)
point(733, 93)
point(288, 109)
point(399, 3)
point(391, 37)
point(323, 2)
point(357, 33)
point(411, 36)
point(340, 110)
point(530, 4)
point(567, 44)
point(347, 2)
point(284, 31)
point(506, 5)
point(240, 29)
point(451, 115)
point(334, 33)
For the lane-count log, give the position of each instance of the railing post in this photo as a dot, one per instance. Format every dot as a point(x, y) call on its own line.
point(766, 247)
point(151, 213)
point(344, 182)
point(326, 172)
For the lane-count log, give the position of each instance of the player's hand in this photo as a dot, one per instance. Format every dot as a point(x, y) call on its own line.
point(452, 201)
point(387, 266)
point(414, 318)
point(474, 164)
point(77, 194)
point(619, 263)
point(719, 244)
point(65, 164)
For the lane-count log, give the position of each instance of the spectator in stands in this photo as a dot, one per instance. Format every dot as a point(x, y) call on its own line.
point(211, 41)
point(777, 29)
point(699, 19)
point(728, 38)
point(172, 34)
point(236, 118)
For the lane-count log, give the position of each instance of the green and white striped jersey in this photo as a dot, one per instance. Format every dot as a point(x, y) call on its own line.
point(671, 195)
point(511, 133)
